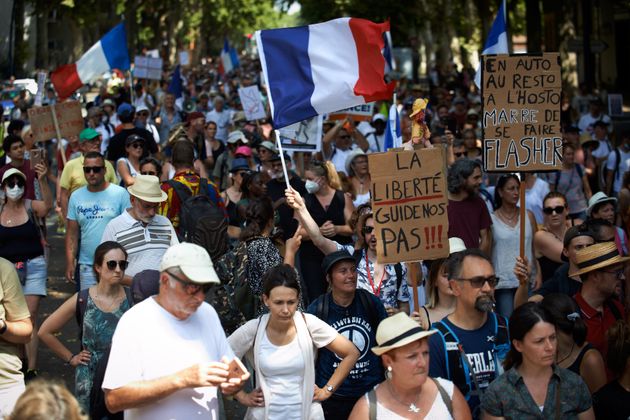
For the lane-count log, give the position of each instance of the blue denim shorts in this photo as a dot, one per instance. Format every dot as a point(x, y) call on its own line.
point(87, 278)
point(36, 276)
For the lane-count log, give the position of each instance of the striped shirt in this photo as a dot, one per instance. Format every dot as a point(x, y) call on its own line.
point(145, 246)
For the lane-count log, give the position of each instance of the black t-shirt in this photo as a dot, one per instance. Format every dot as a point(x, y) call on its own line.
point(612, 402)
point(275, 189)
point(560, 282)
point(116, 148)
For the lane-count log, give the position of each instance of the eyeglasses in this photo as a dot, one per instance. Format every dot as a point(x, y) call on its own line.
point(191, 288)
point(479, 281)
point(136, 145)
point(368, 229)
point(619, 274)
point(13, 182)
point(148, 173)
point(95, 169)
point(149, 206)
point(551, 210)
point(143, 114)
point(123, 264)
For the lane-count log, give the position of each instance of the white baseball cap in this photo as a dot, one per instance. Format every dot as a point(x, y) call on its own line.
point(192, 260)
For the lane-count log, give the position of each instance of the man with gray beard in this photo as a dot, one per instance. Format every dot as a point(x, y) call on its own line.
point(472, 341)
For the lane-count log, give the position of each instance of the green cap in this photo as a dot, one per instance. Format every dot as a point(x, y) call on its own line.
point(88, 134)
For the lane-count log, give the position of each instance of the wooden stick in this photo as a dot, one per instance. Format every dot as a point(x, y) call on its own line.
point(59, 142)
point(414, 274)
point(523, 215)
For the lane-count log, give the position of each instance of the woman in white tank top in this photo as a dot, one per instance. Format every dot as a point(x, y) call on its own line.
point(408, 392)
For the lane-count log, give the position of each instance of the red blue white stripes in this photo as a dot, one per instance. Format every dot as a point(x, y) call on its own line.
point(321, 68)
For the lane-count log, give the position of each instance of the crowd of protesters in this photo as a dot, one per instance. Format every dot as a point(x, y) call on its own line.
point(188, 252)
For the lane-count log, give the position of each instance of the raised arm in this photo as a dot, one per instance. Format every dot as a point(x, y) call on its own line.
point(295, 201)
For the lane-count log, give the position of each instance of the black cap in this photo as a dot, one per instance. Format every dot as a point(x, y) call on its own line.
point(600, 123)
point(334, 257)
point(572, 233)
point(144, 284)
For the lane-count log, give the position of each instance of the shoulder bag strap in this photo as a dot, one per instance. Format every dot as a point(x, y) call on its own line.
point(372, 402)
point(447, 400)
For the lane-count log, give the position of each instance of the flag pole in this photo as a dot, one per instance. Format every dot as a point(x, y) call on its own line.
point(131, 86)
point(284, 165)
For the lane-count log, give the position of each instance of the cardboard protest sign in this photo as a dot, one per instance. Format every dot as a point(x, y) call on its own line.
point(69, 120)
point(147, 68)
point(521, 112)
point(409, 201)
point(303, 136)
point(357, 113)
point(252, 103)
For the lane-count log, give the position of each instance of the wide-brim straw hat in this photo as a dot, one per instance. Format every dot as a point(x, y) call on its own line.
point(147, 188)
point(397, 331)
point(597, 256)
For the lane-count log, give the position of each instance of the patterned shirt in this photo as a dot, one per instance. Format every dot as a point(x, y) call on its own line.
point(170, 207)
point(508, 397)
point(389, 292)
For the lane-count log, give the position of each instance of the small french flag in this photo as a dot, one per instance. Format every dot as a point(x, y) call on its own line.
point(322, 68)
point(229, 57)
point(107, 54)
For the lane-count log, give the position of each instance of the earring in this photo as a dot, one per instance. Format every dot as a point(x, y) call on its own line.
point(389, 372)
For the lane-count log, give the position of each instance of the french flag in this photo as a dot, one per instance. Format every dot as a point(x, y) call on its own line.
point(229, 57)
point(497, 42)
point(107, 54)
point(322, 68)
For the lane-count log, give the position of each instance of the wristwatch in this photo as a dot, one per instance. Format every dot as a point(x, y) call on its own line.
point(330, 388)
point(4, 326)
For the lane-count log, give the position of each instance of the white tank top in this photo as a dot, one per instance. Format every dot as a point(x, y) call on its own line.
point(438, 410)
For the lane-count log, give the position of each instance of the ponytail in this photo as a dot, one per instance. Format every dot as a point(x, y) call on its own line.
point(332, 176)
point(257, 216)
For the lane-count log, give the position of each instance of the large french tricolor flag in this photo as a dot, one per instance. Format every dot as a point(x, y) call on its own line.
point(321, 68)
point(497, 42)
point(107, 54)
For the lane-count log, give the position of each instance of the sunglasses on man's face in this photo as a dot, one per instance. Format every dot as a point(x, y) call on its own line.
point(191, 288)
point(94, 169)
point(479, 281)
point(123, 264)
point(551, 210)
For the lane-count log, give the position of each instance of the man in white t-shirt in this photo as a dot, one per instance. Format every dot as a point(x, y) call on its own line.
point(340, 141)
point(169, 353)
point(221, 117)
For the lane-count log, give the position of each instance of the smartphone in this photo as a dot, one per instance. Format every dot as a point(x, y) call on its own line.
point(236, 369)
point(37, 156)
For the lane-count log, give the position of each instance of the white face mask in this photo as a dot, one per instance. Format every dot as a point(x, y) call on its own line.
point(311, 186)
point(15, 193)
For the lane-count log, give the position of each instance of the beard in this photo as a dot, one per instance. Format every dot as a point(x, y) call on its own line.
point(484, 303)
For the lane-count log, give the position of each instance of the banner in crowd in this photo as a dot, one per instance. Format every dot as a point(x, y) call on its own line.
point(409, 201)
point(147, 68)
point(521, 97)
point(69, 120)
point(361, 112)
point(252, 103)
point(303, 136)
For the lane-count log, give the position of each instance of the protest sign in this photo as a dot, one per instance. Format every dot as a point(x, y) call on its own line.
point(521, 112)
point(184, 58)
point(69, 120)
point(303, 136)
point(252, 103)
point(41, 82)
point(147, 68)
point(362, 112)
point(409, 201)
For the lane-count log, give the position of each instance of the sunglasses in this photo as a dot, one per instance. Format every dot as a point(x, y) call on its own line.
point(459, 154)
point(143, 114)
point(136, 145)
point(479, 281)
point(191, 288)
point(148, 173)
point(619, 274)
point(13, 182)
point(95, 169)
point(551, 210)
point(123, 264)
point(241, 173)
point(368, 229)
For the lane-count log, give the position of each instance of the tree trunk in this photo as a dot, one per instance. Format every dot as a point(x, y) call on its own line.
point(534, 26)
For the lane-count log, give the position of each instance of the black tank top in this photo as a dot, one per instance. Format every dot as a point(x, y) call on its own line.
point(575, 366)
point(20, 243)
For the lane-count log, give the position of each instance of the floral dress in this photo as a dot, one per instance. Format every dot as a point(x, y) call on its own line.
point(98, 329)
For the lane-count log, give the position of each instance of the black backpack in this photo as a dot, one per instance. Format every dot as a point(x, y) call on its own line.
point(201, 221)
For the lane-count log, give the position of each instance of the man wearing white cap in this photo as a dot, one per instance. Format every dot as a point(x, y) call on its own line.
point(169, 353)
point(144, 234)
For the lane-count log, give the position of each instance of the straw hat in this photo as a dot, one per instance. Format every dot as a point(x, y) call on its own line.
point(599, 198)
point(147, 188)
point(597, 256)
point(396, 331)
point(419, 104)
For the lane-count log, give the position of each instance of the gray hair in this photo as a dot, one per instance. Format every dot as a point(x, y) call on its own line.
point(459, 172)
